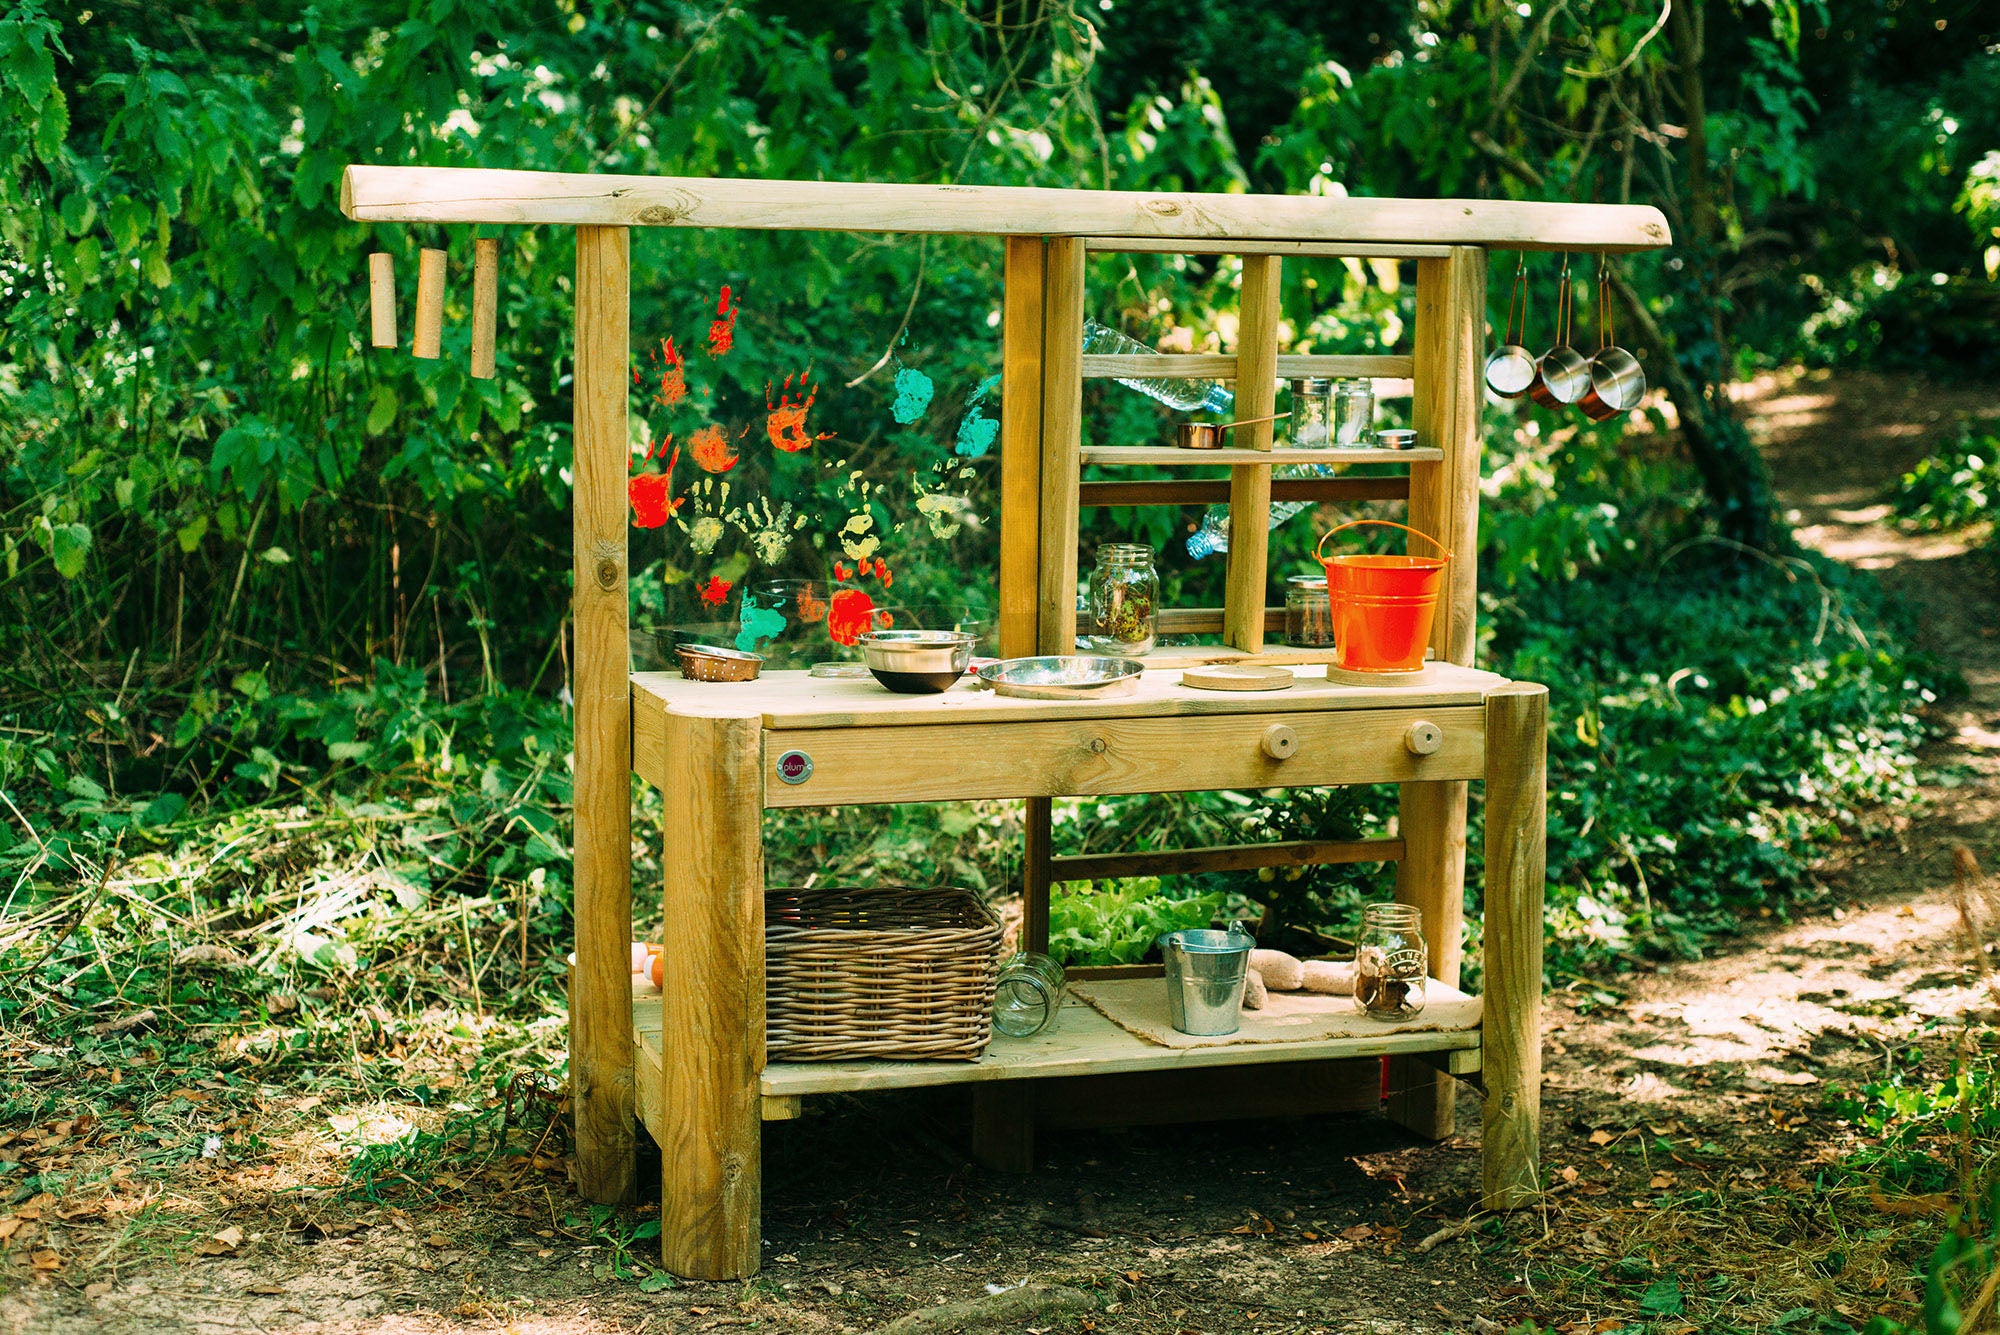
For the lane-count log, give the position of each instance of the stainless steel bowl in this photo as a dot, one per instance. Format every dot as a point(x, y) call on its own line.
point(1063, 677)
point(917, 662)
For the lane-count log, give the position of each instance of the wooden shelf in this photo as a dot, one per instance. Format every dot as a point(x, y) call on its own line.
point(1171, 456)
point(1222, 366)
point(1083, 1042)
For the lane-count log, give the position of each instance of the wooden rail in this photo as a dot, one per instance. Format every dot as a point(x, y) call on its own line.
point(1222, 366)
point(489, 195)
point(1230, 857)
point(1183, 491)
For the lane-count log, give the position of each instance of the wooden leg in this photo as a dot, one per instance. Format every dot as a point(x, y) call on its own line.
point(1037, 824)
point(1517, 717)
point(712, 1003)
point(600, 1037)
point(1431, 876)
point(1003, 1125)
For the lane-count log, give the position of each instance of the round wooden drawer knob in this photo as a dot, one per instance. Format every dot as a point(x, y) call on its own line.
point(1422, 738)
point(1279, 742)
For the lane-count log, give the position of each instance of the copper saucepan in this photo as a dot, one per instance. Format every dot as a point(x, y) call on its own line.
point(1208, 435)
point(1617, 381)
point(1562, 376)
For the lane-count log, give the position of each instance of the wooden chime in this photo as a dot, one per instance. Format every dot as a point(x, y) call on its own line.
point(429, 337)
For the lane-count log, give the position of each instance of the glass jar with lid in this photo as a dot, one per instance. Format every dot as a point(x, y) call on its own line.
point(1309, 425)
point(1124, 599)
point(1353, 411)
point(1391, 962)
point(1308, 613)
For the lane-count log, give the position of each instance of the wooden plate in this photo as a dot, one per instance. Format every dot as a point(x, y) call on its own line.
point(1348, 677)
point(1233, 677)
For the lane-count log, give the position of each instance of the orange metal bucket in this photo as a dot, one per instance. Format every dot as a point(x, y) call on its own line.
point(1383, 606)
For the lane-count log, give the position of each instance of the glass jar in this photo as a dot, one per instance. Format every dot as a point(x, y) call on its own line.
point(1353, 411)
point(1308, 613)
point(1308, 425)
point(1391, 962)
point(1028, 996)
point(1124, 599)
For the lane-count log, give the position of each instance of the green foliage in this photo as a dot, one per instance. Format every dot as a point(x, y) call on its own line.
point(1956, 486)
point(1117, 922)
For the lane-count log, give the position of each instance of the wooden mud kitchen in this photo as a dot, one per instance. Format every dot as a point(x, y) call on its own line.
point(691, 1064)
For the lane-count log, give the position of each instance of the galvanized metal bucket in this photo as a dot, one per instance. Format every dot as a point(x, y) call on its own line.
point(1205, 972)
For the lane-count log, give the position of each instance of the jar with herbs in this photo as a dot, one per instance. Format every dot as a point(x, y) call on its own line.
point(1391, 962)
point(1124, 599)
point(1308, 613)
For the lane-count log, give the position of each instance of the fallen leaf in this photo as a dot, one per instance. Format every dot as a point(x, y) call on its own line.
point(1568, 1174)
point(45, 1260)
point(95, 1291)
point(191, 1095)
point(266, 1289)
point(1601, 1137)
point(438, 1240)
point(1133, 1276)
point(8, 1227)
point(220, 1244)
point(1661, 1181)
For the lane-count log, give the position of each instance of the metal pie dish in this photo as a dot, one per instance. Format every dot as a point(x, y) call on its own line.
point(712, 662)
point(917, 662)
point(1063, 677)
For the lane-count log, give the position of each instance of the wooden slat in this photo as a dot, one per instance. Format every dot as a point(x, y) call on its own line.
point(1222, 366)
point(712, 1001)
point(485, 305)
point(1235, 857)
point(1093, 757)
point(1444, 502)
point(489, 195)
point(1170, 456)
point(1250, 481)
point(428, 341)
point(382, 299)
point(1208, 620)
point(1189, 491)
point(1062, 437)
point(1021, 448)
point(1517, 717)
point(1126, 245)
point(600, 1053)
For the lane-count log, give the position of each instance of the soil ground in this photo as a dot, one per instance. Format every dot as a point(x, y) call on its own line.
point(1686, 1118)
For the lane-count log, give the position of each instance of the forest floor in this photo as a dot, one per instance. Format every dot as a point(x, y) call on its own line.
point(1692, 1136)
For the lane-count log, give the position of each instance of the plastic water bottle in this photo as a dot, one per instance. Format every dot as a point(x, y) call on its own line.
point(1186, 395)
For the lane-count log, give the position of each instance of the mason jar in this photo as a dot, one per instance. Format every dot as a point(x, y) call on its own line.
point(1308, 427)
point(1124, 599)
point(1353, 411)
point(1308, 613)
point(1391, 962)
point(1029, 994)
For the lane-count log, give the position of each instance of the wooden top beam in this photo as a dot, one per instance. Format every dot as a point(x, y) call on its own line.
point(481, 195)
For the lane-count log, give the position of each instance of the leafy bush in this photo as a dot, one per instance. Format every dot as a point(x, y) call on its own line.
point(1954, 487)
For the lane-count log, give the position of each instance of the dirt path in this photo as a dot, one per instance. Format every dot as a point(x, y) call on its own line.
point(1686, 1114)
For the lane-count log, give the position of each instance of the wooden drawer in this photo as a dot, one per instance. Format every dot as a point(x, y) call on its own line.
point(815, 767)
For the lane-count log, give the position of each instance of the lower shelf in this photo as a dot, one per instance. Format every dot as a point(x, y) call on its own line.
point(1083, 1042)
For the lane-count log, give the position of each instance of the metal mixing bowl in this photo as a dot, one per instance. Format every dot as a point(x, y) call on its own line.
point(917, 662)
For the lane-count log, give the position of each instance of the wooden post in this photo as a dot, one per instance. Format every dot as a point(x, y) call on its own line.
point(1250, 487)
point(600, 1033)
point(485, 305)
point(712, 999)
point(382, 299)
point(1021, 448)
point(1003, 1125)
point(1517, 719)
point(430, 303)
point(1444, 502)
point(1062, 442)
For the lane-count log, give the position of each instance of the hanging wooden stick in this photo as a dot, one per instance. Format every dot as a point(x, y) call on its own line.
point(382, 299)
point(430, 303)
point(485, 305)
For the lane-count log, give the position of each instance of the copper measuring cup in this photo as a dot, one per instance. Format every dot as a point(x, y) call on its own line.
point(1617, 381)
point(1510, 368)
point(1208, 435)
point(1562, 376)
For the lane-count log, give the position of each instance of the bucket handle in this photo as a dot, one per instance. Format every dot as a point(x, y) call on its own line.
point(1386, 523)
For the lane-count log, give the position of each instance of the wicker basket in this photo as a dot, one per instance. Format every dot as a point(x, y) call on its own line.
point(893, 972)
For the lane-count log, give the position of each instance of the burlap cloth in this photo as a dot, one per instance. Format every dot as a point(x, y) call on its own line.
point(1139, 1007)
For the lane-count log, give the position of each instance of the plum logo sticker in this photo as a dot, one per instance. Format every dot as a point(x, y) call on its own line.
point(795, 767)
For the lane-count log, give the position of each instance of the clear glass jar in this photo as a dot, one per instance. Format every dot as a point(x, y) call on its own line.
point(1028, 996)
point(1308, 613)
point(1353, 411)
point(1124, 599)
point(1391, 962)
point(1308, 424)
